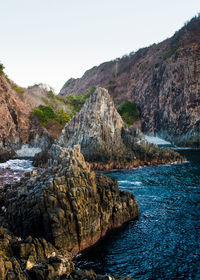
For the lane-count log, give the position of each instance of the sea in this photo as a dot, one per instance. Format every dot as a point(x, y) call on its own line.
point(164, 242)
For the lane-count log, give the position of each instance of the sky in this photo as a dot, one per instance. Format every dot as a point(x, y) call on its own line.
point(50, 41)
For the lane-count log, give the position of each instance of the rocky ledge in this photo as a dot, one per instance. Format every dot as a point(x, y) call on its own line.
point(106, 141)
point(65, 208)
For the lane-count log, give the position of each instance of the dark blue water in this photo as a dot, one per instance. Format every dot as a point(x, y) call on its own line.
point(164, 242)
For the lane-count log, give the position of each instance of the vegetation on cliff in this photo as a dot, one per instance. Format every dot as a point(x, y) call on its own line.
point(46, 113)
point(175, 46)
point(129, 112)
point(58, 110)
point(76, 101)
point(1, 69)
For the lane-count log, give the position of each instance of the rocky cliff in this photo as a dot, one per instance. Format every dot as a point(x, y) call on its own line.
point(164, 81)
point(14, 116)
point(16, 127)
point(64, 208)
point(105, 140)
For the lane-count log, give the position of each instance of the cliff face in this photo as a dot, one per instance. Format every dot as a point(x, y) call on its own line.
point(14, 116)
point(105, 140)
point(97, 128)
point(164, 81)
point(16, 128)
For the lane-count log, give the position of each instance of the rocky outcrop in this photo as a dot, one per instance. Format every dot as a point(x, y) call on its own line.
point(16, 128)
point(105, 140)
point(39, 136)
point(31, 258)
point(164, 81)
point(14, 115)
point(37, 259)
point(35, 95)
point(67, 204)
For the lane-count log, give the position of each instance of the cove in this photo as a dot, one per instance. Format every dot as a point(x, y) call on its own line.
point(164, 242)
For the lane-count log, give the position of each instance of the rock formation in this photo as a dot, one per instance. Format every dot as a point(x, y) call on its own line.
point(14, 116)
point(106, 141)
point(50, 212)
point(164, 81)
point(15, 126)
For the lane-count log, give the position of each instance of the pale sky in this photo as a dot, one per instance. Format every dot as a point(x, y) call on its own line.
point(51, 41)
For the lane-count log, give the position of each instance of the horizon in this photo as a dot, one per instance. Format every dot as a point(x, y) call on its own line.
point(51, 42)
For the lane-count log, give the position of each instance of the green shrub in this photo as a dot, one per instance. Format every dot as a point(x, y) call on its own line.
point(1, 69)
point(76, 101)
point(68, 82)
point(45, 100)
point(111, 84)
point(142, 65)
point(46, 113)
point(172, 50)
point(129, 112)
point(50, 94)
point(18, 90)
point(62, 117)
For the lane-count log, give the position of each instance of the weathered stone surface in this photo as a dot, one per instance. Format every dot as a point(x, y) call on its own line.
point(106, 141)
point(14, 116)
point(97, 128)
point(31, 258)
point(6, 154)
point(164, 81)
point(15, 127)
point(37, 259)
point(67, 204)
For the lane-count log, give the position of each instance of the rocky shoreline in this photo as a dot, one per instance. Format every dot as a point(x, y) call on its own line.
point(52, 214)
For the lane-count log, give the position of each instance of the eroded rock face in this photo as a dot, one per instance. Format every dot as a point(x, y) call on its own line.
point(16, 128)
point(37, 259)
point(97, 128)
point(32, 258)
point(14, 116)
point(67, 204)
point(164, 81)
point(106, 141)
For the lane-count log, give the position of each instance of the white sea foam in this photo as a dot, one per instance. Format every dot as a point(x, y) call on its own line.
point(156, 140)
point(124, 181)
point(137, 183)
point(17, 164)
point(27, 151)
point(185, 148)
point(129, 182)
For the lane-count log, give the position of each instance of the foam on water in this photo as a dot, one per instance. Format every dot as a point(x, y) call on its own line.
point(156, 140)
point(129, 182)
point(17, 164)
point(13, 170)
point(27, 151)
